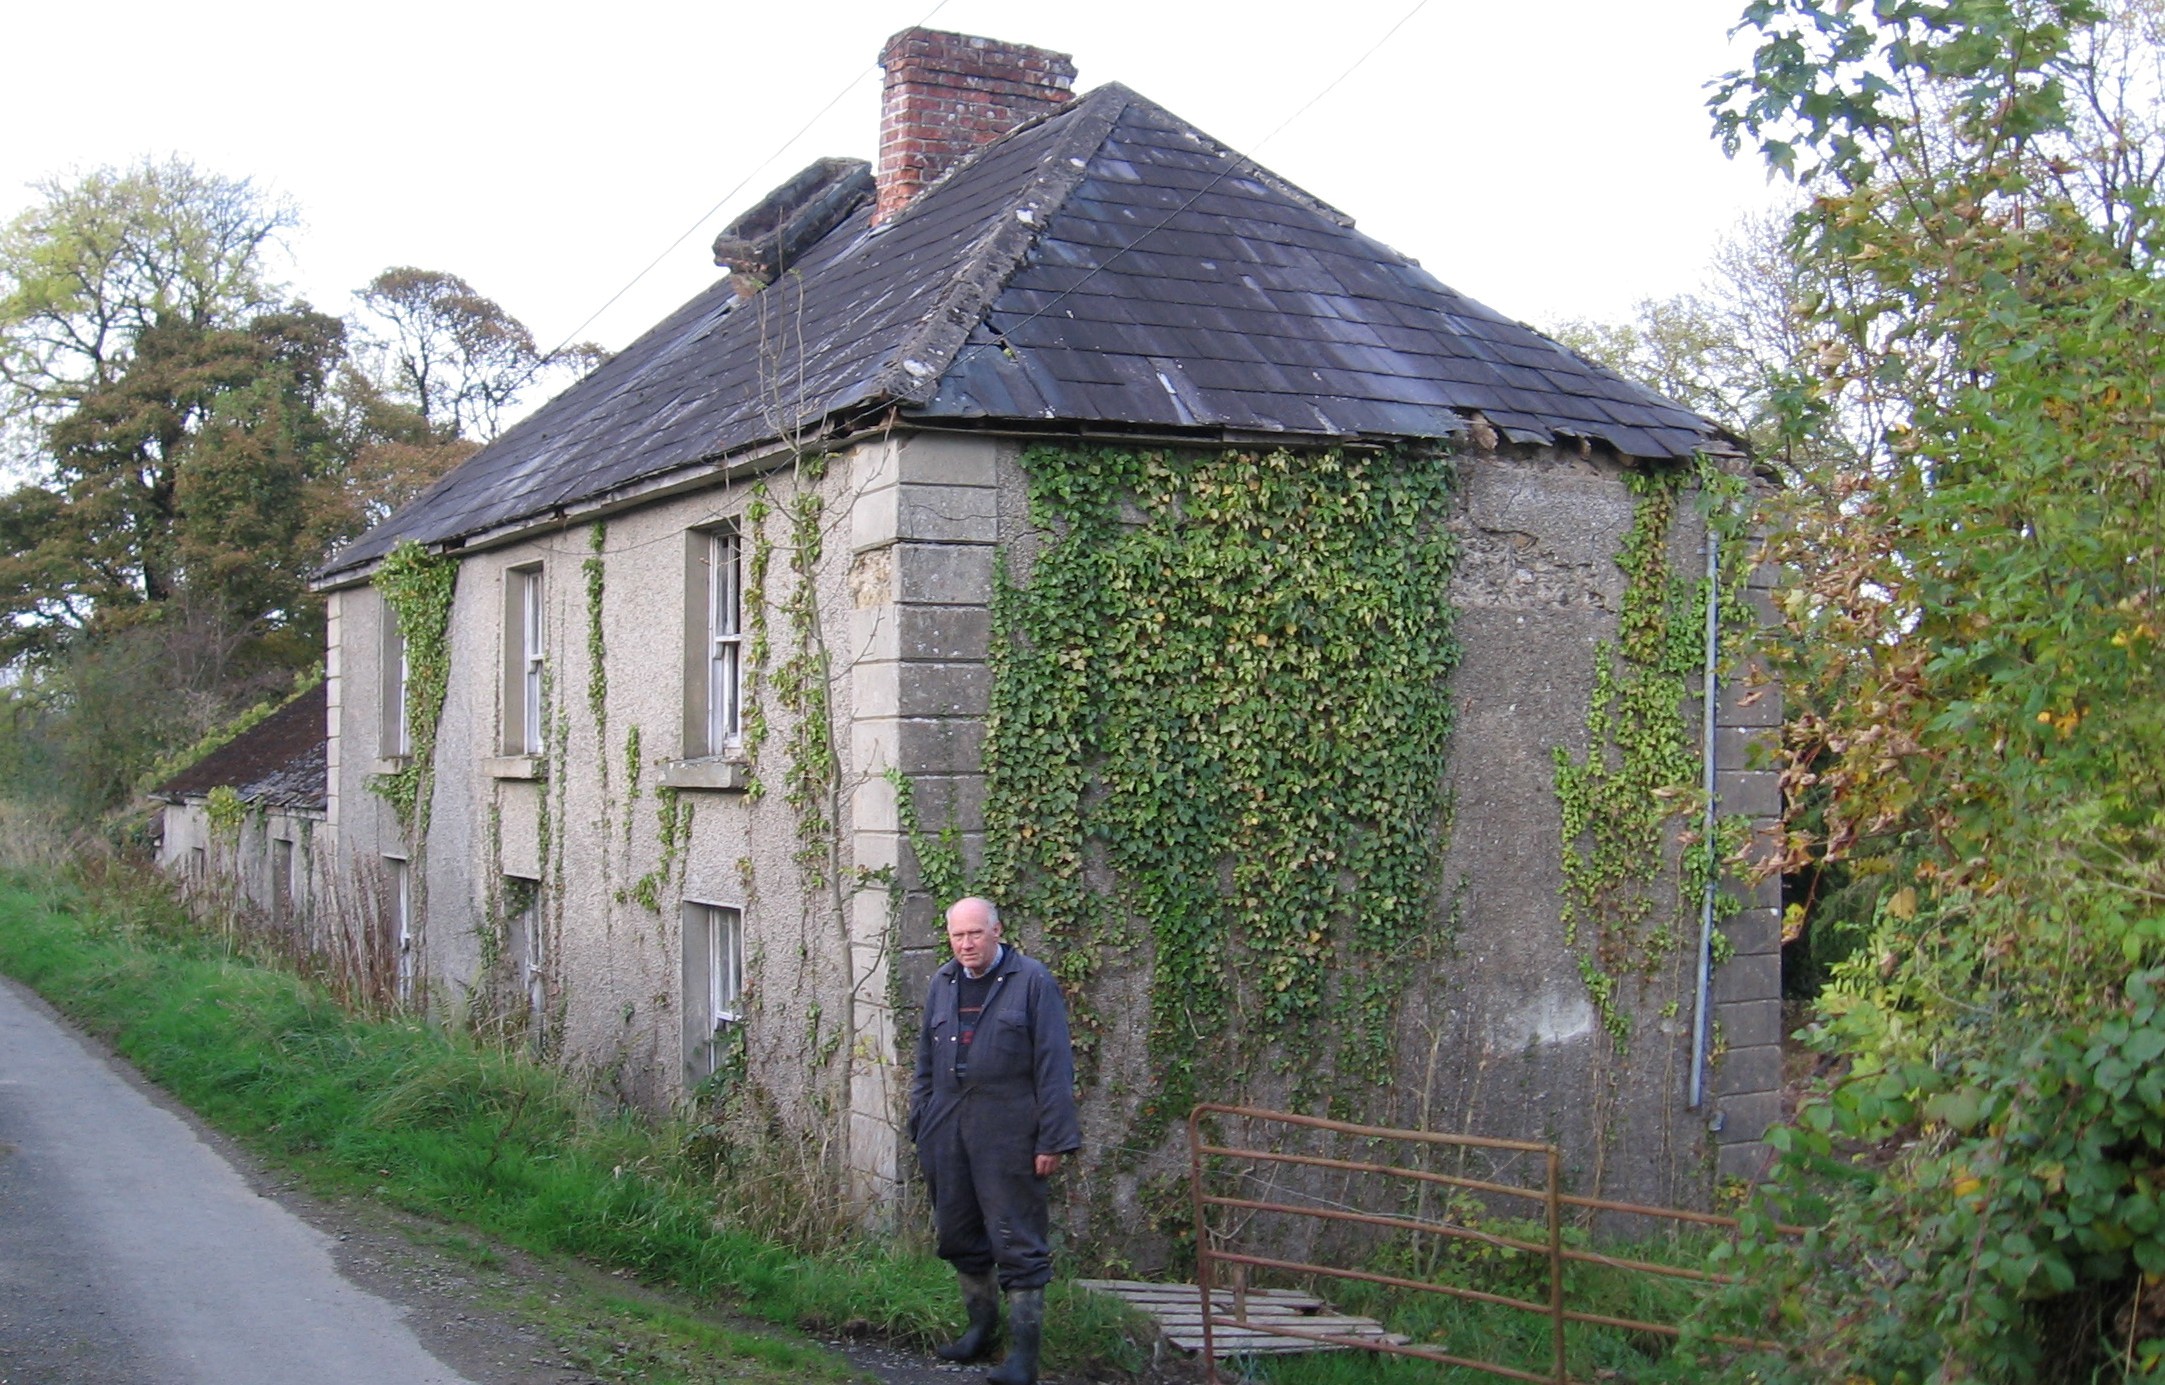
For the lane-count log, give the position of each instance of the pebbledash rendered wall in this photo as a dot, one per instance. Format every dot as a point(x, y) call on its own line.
point(1502, 1040)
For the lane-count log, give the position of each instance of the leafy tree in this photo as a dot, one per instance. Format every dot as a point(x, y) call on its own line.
point(454, 355)
point(103, 259)
point(1978, 684)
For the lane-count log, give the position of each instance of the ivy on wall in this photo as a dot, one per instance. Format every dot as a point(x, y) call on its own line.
point(416, 585)
point(1219, 717)
point(1627, 907)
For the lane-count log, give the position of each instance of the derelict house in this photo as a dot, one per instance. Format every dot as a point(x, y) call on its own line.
point(634, 712)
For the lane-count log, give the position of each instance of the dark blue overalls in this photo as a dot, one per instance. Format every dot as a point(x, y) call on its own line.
point(978, 1131)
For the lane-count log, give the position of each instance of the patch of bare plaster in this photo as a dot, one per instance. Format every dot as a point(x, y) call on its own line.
point(872, 579)
point(1539, 535)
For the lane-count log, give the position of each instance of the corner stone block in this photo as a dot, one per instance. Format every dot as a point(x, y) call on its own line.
point(1754, 894)
point(1752, 793)
point(943, 574)
point(1747, 1162)
point(947, 514)
point(874, 743)
point(872, 807)
point(1748, 978)
point(945, 800)
point(1750, 1023)
point(1746, 702)
point(948, 460)
point(1754, 932)
point(940, 745)
point(942, 690)
point(923, 933)
point(943, 634)
point(1745, 747)
point(913, 974)
point(1746, 1119)
point(1745, 1070)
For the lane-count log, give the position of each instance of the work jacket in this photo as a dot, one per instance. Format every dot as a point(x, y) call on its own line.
point(1020, 1074)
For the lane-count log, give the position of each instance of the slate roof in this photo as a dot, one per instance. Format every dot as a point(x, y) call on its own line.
point(1107, 266)
point(277, 763)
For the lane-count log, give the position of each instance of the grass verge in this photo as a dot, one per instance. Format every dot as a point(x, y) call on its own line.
point(437, 1124)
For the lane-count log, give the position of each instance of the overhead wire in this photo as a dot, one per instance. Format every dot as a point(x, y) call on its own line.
point(724, 199)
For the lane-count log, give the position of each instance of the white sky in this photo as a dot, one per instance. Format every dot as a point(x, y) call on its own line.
point(1550, 159)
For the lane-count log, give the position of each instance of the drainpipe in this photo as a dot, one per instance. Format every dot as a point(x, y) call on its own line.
point(1699, 1024)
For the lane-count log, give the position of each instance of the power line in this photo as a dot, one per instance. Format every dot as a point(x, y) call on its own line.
point(724, 200)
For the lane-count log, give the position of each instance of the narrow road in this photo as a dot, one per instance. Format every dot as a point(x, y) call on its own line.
point(131, 1253)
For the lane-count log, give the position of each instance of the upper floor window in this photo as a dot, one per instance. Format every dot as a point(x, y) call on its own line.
point(523, 651)
point(397, 738)
point(714, 641)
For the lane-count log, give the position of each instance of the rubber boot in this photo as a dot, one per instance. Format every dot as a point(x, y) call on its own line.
point(981, 1299)
point(1026, 1325)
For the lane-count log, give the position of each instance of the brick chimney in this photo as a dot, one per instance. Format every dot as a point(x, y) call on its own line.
point(947, 94)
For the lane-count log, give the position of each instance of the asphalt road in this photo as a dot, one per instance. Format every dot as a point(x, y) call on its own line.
point(132, 1253)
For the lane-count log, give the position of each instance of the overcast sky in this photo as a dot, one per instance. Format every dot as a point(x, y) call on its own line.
point(1550, 159)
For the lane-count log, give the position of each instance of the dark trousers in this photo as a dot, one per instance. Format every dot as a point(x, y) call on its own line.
point(988, 1204)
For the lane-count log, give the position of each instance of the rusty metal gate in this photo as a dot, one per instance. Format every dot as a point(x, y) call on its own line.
point(1214, 1260)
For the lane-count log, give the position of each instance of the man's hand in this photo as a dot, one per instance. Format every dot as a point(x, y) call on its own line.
point(1047, 1165)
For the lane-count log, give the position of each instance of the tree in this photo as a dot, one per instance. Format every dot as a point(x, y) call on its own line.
point(452, 354)
point(103, 259)
point(1978, 684)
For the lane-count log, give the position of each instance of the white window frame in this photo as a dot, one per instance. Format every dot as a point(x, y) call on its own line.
point(713, 980)
point(725, 640)
point(397, 673)
point(525, 652)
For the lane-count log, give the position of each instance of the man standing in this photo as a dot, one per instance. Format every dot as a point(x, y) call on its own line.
point(992, 1109)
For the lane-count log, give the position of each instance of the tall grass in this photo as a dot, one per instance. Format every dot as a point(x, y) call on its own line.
point(443, 1125)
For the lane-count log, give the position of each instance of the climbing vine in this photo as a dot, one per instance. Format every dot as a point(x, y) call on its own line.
point(226, 812)
point(416, 585)
point(1625, 910)
point(1639, 770)
point(1239, 662)
point(800, 684)
point(597, 663)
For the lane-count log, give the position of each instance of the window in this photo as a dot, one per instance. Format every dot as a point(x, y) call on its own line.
point(713, 981)
point(281, 881)
point(713, 642)
point(396, 741)
point(402, 931)
point(522, 660)
point(523, 948)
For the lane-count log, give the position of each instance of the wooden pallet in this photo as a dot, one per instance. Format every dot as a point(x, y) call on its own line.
point(1178, 1309)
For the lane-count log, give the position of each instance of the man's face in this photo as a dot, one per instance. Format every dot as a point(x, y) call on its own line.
point(974, 938)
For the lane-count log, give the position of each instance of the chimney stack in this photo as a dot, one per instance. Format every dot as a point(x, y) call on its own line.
point(946, 94)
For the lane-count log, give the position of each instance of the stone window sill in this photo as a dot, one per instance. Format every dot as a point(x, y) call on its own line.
point(392, 764)
point(516, 767)
point(720, 773)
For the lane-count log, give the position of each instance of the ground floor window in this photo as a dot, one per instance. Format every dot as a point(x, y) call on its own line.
point(713, 982)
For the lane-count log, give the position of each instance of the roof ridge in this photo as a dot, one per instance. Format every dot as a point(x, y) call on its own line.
point(913, 374)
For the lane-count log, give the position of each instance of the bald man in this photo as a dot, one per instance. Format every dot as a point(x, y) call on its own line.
point(992, 1109)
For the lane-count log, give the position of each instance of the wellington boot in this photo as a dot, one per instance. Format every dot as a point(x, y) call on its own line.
point(981, 1299)
point(1026, 1325)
